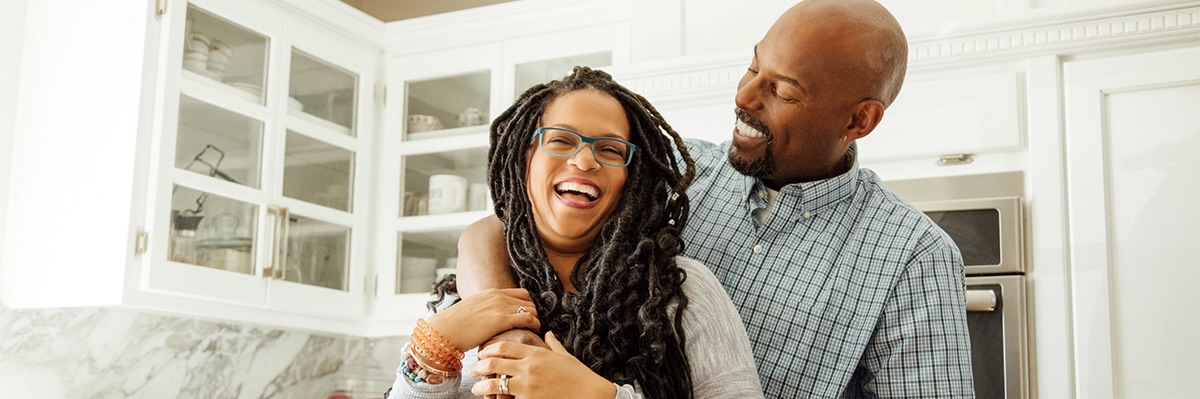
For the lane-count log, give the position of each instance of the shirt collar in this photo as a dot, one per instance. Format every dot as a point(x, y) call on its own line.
point(797, 199)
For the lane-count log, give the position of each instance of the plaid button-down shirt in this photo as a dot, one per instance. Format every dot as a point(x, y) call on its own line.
point(844, 288)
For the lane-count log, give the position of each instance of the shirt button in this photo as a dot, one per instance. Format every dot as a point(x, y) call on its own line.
point(758, 248)
point(807, 215)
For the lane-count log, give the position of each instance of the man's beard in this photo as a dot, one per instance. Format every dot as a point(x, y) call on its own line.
point(760, 168)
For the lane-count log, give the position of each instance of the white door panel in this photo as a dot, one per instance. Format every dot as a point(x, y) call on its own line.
point(1133, 173)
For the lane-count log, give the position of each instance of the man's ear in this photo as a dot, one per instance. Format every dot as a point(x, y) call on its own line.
point(865, 118)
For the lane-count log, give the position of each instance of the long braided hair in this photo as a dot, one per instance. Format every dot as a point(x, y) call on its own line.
point(625, 321)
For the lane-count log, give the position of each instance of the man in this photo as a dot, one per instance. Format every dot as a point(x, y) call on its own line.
point(845, 289)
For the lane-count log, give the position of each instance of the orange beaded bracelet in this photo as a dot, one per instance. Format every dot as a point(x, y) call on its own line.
point(432, 346)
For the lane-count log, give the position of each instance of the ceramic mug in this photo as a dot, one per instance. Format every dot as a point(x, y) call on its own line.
point(470, 117)
point(447, 194)
point(477, 197)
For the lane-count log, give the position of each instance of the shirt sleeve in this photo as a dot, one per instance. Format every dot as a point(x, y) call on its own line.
point(455, 387)
point(921, 348)
point(718, 348)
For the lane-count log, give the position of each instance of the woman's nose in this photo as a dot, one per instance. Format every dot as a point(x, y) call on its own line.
point(585, 159)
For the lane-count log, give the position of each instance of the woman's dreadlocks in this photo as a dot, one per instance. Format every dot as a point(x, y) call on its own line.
point(625, 321)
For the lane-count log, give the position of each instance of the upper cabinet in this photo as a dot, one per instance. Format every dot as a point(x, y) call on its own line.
point(441, 101)
point(247, 197)
point(266, 126)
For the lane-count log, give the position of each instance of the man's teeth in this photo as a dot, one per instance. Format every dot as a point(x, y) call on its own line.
point(577, 188)
point(748, 131)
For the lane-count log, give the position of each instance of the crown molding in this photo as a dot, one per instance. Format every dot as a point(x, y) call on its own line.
point(1059, 35)
point(340, 18)
point(498, 22)
point(712, 78)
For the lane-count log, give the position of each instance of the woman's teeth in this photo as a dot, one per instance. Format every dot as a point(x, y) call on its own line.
point(577, 188)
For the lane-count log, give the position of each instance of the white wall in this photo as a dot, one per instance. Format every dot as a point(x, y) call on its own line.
point(12, 36)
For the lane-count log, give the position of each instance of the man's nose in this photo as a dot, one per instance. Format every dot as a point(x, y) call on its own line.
point(749, 92)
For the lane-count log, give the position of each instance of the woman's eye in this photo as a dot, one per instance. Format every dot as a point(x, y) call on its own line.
point(613, 150)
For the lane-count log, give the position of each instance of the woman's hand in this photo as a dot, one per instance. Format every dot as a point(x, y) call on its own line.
point(480, 317)
point(535, 372)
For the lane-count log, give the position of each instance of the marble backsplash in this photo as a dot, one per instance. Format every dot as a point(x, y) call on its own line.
point(116, 353)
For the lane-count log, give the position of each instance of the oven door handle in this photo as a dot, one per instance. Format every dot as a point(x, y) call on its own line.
point(981, 301)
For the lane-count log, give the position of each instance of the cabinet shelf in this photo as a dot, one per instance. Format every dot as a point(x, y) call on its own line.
point(445, 140)
point(449, 221)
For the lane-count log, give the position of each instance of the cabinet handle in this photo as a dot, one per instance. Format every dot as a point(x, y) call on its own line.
point(955, 159)
point(273, 262)
point(282, 241)
point(160, 7)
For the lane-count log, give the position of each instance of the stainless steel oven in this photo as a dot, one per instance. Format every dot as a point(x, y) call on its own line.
point(983, 214)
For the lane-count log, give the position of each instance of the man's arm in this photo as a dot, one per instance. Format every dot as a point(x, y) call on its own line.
point(483, 264)
point(921, 346)
point(483, 258)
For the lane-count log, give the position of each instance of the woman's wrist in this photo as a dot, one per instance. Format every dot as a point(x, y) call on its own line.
point(604, 389)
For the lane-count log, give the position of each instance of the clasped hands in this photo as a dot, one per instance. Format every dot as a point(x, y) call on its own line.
point(504, 323)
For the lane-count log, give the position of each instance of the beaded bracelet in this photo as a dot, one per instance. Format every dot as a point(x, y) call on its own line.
point(424, 350)
point(441, 341)
point(435, 348)
point(414, 370)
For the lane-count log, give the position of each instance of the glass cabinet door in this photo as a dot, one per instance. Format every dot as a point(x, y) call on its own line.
point(323, 92)
point(263, 137)
point(220, 50)
point(445, 182)
point(219, 143)
point(460, 101)
point(542, 71)
point(212, 231)
point(424, 258)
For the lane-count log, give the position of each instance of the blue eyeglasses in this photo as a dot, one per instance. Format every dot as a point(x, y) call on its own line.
point(561, 142)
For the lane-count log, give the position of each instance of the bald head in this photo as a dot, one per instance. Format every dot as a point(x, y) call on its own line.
point(864, 44)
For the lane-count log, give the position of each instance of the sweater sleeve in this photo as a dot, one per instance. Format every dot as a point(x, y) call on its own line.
point(718, 349)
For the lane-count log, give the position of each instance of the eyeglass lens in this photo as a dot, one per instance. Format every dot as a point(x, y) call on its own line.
point(565, 143)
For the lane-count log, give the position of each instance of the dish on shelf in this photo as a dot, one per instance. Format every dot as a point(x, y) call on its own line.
point(295, 105)
point(235, 242)
point(423, 123)
point(248, 87)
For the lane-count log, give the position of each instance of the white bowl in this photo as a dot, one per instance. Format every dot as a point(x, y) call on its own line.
point(295, 104)
point(423, 123)
point(220, 47)
point(195, 65)
point(195, 55)
point(218, 57)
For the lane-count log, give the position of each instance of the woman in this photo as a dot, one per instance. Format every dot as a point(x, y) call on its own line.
point(589, 190)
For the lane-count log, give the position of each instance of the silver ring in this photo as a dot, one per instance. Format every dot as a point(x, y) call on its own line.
point(504, 384)
point(521, 309)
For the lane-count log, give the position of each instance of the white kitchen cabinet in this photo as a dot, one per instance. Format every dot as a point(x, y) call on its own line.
point(430, 134)
point(936, 117)
point(1131, 143)
point(227, 173)
point(259, 165)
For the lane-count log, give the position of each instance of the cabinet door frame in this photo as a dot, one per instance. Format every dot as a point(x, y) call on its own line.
point(1090, 214)
point(208, 291)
